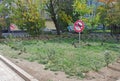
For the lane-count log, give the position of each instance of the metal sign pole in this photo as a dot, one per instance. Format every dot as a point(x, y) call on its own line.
point(79, 37)
point(78, 27)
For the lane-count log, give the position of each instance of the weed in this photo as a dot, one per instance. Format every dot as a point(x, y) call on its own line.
point(59, 54)
point(107, 57)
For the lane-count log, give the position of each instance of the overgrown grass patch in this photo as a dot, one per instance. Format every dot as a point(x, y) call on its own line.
point(60, 54)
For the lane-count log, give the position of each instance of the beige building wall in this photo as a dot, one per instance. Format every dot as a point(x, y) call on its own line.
point(49, 24)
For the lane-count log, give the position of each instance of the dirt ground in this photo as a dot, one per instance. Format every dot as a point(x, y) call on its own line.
point(111, 73)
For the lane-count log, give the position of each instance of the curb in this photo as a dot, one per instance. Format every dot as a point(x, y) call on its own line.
point(118, 80)
point(18, 70)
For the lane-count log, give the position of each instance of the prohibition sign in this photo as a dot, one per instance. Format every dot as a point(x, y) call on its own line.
point(78, 26)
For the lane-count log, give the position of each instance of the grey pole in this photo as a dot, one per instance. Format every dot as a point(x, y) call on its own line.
point(79, 37)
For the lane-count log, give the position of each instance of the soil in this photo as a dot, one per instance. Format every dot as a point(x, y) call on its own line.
point(110, 73)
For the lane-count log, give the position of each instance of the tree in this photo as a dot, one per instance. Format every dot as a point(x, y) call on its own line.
point(110, 13)
point(86, 13)
point(114, 17)
point(4, 13)
point(55, 9)
point(4, 10)
point(66, 17)
point(82, 10)
point(26, 14)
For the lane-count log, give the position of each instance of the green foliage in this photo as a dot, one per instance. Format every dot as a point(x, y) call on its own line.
point(66, 18)
point(81, 8)
point(109, 12)
point(1, 7)
point(107, 57)
point(4, 11)
point(0, 31)
point(114, 14)
point(60, 11)
point(27, 16)
point(102, 10)
point(87, 14)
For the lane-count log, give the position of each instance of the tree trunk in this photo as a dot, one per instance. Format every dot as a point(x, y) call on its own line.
point(103, 37)
point(115, 29)
point(54, 18)
point(56, 25)
point(0, 32)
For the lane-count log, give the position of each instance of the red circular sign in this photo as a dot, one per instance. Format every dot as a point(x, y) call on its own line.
point(12, 27)
point(79, 26)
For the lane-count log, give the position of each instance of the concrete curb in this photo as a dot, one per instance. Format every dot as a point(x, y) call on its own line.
point(18, 70)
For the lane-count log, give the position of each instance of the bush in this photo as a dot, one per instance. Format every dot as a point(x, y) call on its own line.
point(27, 17)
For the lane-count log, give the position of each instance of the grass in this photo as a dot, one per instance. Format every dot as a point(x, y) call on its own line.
point(101, 31)
point(59, 54)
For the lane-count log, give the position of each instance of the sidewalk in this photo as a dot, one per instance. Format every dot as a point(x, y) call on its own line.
point(10, 72)
point(7, 74)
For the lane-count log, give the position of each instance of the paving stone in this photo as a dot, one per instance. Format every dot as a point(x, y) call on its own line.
point(6, 74)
